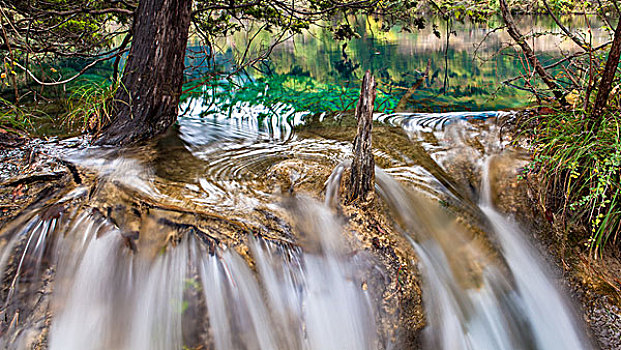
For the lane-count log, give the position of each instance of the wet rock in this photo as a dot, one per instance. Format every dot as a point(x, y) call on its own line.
point(293, 176)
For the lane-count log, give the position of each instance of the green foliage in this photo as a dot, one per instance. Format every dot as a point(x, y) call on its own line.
point(65, 26)
point(584, 168)
point(15, 117)
point(88, 107)
point(482, 10)
point(458, 10)
point(85, 107)
point(563, 6)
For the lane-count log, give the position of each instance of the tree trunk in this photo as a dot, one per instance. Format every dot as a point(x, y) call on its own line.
point(147, 101)
point(362, 177)
point(529, 53)
point(605, 84)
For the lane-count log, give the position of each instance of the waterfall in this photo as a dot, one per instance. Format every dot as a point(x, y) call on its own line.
point(473, 298)
point(85, 272)
point(551, 317)
point(107, 296)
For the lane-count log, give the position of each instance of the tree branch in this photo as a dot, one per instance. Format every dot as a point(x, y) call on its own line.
point(578, 40)
point(529, 53)
point(86, 68)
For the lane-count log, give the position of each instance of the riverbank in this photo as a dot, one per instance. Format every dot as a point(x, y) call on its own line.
point(593, 281)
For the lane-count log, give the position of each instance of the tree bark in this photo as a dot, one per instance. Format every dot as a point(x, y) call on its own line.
point(362, 177)
point(605, 84)
point(147, 101)
point(529, 53)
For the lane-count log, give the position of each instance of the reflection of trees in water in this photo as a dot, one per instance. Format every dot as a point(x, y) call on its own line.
point(314, 64)
point(345, 66)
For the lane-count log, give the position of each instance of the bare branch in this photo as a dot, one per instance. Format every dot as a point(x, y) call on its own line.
point(577, 39)
point(86, 68)
point(561, 61)
point(529, 53)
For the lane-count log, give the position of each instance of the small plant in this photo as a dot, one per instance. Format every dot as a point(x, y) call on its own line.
point(16, 117)
point(89, 106)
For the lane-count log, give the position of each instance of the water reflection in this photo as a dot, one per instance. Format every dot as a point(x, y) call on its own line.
point(415, 71)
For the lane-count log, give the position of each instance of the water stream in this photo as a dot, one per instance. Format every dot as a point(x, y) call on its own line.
point(548, 313)
point(221, 237)
point(474, 300)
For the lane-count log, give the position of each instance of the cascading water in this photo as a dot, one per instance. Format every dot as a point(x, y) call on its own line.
point(474, 300)
point(551, 319)
point(313, 298)
point(97, 268)
point(107, 296)
point(469, 303)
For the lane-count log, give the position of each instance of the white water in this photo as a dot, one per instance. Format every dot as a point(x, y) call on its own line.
point(520, 309)
point(313, 299)
point(551, 317)
point(109, 297)
point(465, 308)
point(278, 296)
point(474, 299)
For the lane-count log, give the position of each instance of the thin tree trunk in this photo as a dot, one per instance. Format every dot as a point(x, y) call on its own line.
point(529, 53)
point(605, 84)
point(362, 177)
point(147, 101)
point(446, 48)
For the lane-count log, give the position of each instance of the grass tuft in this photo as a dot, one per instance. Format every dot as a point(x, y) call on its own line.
point(86, 108)
point(89, 106)
point(581, 170)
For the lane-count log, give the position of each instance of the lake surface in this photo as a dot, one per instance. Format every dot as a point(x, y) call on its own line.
point(419, 71)
point(313, 73)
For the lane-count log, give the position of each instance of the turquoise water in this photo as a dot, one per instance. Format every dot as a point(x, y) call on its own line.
point(416, 72)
